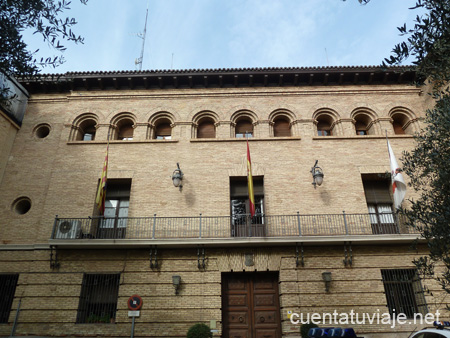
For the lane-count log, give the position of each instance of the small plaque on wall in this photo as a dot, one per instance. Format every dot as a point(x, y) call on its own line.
point(249, 259)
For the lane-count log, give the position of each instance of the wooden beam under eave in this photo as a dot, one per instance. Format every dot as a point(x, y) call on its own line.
point(296, 77)
point(160, 82)
point(371, 75)
point(145, 82)
point(266, 80)
point(191, 82)
point(325, 79)
point(220, 81)
point(355, 78)
point(250, 80)
point(116, 83)
point(100, 83)
point(280, 80)
point(130, 82)
point(236, 80)
point(175, 81)
point(341, 78)
point(71, 84)
point(386, 76)
point(44, 86)
point(311, 79)
point(400, 77)
point(205, 81)
point(86, 84)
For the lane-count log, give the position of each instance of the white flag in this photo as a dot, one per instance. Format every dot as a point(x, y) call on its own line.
point(398, 183)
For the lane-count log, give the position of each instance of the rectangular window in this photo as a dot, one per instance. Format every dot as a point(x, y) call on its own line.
point(404, 293)
point(98, 298)
point(117, 202)
point(242, 224)
point(8, 285)
point(379, 205)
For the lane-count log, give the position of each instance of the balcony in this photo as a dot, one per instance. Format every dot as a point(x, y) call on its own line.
point(229, 230)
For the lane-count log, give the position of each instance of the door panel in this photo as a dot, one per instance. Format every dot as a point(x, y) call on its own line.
point(250, 305)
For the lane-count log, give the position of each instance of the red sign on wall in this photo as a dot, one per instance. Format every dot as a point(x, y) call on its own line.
point(134, 302)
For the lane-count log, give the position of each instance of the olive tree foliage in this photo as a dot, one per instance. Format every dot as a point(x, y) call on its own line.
point(427, 47)
point(428, 164)
point(43, 17)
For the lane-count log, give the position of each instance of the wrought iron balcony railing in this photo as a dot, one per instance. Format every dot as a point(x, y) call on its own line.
point(213, 227)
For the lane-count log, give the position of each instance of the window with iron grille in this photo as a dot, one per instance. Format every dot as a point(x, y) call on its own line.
point(8, 285)
point(98, 299)
point(404, 292)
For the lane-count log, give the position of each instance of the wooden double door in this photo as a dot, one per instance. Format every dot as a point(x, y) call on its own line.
point(250, 305)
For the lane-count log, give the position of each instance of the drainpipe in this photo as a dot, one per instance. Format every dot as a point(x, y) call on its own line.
point(13, 331)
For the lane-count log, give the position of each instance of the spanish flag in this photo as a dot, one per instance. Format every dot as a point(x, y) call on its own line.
point(101, 192)
point(251, 196)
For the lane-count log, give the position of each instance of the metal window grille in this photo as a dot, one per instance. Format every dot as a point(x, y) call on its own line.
point(98, 298)
point(8, 285)
point(404, 292)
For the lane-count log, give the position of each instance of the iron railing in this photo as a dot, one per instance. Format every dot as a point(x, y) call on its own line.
point(157, 227)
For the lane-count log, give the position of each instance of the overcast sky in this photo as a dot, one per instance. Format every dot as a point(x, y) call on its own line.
point(201, 34)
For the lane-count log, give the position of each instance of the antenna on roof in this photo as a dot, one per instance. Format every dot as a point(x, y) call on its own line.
point(139, 60)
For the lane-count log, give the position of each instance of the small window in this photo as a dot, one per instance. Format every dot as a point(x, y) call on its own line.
point(404, 293)
point(125, 130)
point(363, 124)
point(163, 130)
point(399, 121)
point(244, 128)
point(8, 285)
point(361, 128)
point(281, 128)
point(98, 299)
point(323, 129)
point(42, 130)
point(21, 205)
point(206, 129)
point(87, 130)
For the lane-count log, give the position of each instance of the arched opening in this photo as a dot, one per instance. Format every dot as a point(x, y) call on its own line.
point(244, 128)
point(125, 130)
point(163, 130)
point(86, 131)
point(324, 125)
point(206, 128)
point(281, 127)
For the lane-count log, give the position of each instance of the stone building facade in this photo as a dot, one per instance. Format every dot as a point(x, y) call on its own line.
point(193, 254)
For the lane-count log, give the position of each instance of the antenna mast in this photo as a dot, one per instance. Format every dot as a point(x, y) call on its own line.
point(138, 61)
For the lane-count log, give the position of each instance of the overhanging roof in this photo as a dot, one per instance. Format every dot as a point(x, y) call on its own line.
point(219, 78)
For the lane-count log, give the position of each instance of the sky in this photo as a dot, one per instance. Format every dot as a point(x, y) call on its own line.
point(212, 34)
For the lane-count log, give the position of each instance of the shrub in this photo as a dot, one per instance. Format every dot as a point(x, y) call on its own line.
point(304, 329)
point(199, 330)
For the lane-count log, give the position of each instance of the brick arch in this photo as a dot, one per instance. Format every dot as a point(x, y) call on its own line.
point(244, 112)
point(404, 118)
point(282, 112)
point(122, 116)
point(365, 111)
point(205, 113)
point(326, 111)
point(174, 116)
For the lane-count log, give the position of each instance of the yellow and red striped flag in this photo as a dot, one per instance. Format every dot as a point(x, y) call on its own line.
point(101, 192)
point(251, 196)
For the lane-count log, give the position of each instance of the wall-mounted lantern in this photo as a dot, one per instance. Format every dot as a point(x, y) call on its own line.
point(176, 281)
point(317, 174)
point(177, 177)
point(326, 276)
